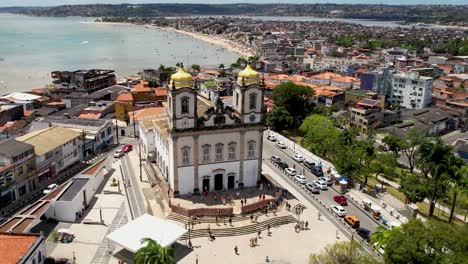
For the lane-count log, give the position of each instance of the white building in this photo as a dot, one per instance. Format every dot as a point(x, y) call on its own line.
point(201, 145)
point(411, 90)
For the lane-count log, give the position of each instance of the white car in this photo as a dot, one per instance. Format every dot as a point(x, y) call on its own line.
point(280, 145)
point(290, 171)
point(327, 180)
point(50, 188)
point(338, 210)
point(271, 138)
point(300, 179)
point(322, 185)
point(298, 158)
point(118, 153)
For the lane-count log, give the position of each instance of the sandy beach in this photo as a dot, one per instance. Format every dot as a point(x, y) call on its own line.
point(215, 40)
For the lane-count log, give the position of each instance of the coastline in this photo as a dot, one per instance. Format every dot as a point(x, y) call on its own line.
point(215, 40)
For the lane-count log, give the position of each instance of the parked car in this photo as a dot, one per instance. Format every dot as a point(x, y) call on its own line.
point(322, 185)
point(352, 221)
point(364, 233)
point(312, 187)
point(127, 148)
point(298, 158)
point(118, 153)
point(275, 159)
point(309, 164)
point(327, 180)
point(340, 199)
point(283, 165)
point(338, 210)
point(280, 145)
point(271, 138)
point(300, 179)
point(50, 188)
point(290, 171)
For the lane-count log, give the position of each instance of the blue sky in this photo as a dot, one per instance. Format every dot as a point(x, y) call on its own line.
point(72, 2)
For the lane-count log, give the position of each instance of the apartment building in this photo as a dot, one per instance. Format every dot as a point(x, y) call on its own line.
point(411, 90)
point(86, 81)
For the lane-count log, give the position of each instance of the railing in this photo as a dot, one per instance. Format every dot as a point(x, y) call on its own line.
point(257, 206)
point(202, 211)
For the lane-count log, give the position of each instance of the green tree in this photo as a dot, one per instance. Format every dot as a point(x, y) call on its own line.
point(342, 252)
point(365, 150)
point(153, 253)
point(426, 243)
point(457, 173)
point(384, 164)
point(195, 67)
point(380, 237)
point(413, 187)
point(394, 144)
point(293, 97)
point(434, 155)
point(410, 144)
point(279, 119)
point(320, 134)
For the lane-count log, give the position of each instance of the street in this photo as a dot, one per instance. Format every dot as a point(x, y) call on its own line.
point(325, 196)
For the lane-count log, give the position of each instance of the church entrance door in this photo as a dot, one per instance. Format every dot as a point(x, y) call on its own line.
point(231, 180)
point(218, 182)
point(206, 185)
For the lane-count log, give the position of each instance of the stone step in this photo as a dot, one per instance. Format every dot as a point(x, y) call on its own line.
point(244, 230)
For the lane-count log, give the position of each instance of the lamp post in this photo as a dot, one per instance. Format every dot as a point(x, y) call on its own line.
point(139, 158)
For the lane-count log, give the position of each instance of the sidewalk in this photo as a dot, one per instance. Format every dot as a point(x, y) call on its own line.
point(438, 205)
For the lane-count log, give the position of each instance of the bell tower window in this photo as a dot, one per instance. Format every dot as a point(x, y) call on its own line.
point(185, 105)
point(237, 99)
point(252, 101)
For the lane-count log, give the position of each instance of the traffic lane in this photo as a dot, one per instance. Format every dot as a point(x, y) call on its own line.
point(318, 204)
point(326, 195)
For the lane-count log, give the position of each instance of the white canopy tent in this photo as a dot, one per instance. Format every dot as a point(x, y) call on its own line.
point(130, 235)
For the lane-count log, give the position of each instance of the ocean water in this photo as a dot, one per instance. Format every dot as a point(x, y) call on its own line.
point(32, 47)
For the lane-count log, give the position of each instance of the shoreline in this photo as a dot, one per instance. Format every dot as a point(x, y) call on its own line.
point(215, 40)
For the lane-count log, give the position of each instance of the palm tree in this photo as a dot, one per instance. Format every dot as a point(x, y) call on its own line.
point(153, 253)
point(458, 181)
point(380, 237)
point(434, 155)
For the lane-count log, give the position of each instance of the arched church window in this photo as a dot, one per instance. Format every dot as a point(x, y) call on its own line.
point(232, 151)
point(185, 155)
point(237, 99)
point(185, 105)
point(252, 101)
point(206, 153)
point(219, 152)
point(251, 149)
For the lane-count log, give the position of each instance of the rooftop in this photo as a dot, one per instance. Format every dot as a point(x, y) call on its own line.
point(70, 193)
point(45, 140)
point(14, 148)
point(14, 246)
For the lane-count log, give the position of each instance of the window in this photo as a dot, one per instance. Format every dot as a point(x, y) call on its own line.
point(185, 155)
point(109, 131)
point(252, 101)
point(232, 151)
point(251, 149)
point(237, 98)
point(20, 170)
point(219, 152)
point(185, 103)
point(206, 153)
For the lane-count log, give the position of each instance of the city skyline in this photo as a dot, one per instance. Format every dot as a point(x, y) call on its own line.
point(6, 3)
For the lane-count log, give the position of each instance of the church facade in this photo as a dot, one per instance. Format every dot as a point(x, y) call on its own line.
point(200, 145)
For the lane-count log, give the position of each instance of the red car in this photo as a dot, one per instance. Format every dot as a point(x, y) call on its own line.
point(127, 148)
point(340, 199)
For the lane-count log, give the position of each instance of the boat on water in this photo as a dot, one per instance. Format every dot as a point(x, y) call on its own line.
point(84, 42)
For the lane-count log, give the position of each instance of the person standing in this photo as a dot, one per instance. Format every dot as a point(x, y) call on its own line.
point(236, 250)
point(259, 232)
point(268, 228)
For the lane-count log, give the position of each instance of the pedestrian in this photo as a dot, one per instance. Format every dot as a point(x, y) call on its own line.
point(267, 259)
point(236, 250)
point(255, 241)
point(230, 221)
point(190, 244)
point(251, 217)
point(268, 228)
point(209, 228)
point(337, 237)
point(319, 215)
point(256, 218)
point(259, 232)
point(242, 202)
point(307, 225)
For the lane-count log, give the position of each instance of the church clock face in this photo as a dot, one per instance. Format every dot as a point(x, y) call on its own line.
point(252, 118)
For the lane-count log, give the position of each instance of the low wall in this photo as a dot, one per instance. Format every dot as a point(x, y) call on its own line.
point(256, 206)
point(202, 211)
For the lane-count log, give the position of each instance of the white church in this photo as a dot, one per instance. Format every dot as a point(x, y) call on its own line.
point(200, 145)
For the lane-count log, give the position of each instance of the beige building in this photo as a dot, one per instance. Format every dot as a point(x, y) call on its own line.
point(201, 145)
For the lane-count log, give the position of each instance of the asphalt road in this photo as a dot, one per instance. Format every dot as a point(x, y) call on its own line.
point(326, 196)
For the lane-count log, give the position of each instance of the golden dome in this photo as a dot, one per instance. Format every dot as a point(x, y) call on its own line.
point(181, 78)
point(248, 76)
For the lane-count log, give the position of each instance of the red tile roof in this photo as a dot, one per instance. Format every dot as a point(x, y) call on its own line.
point(14, 246)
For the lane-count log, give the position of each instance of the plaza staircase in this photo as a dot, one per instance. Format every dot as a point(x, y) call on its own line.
point(242, 230)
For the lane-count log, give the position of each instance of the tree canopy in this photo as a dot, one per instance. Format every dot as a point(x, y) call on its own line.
point(153, 253)
point(342, 252)
point(278, 119)
point(294, 98)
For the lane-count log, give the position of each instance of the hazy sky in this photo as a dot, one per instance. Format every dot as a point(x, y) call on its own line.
point(72, 2)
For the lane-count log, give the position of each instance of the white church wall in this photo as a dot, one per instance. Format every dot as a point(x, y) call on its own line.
point(250, 172)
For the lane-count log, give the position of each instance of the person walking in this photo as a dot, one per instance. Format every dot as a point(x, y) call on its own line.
point(319, 215)
point(307, 225)
point(267, 259)
point(251, 218)
point(230, 221)
point(268, 228)
point(236, 250)
point(259, 232)
point(190, 244)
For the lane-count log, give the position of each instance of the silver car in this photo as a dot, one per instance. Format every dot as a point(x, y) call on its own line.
point(290, 171)
point(338, 210)
point(300, 179)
